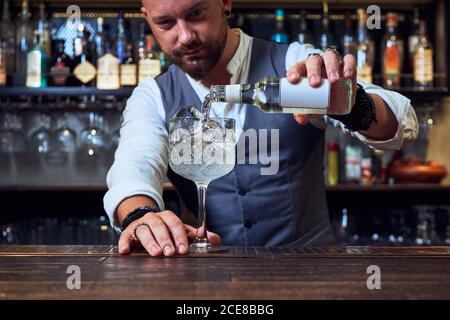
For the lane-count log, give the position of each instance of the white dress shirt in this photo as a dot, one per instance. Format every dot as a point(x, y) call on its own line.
point(141, 159)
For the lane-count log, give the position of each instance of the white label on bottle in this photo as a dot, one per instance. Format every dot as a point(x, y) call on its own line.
point(108, 72)
point(302, 95)
point(33, 69)
point(128, 74)
point(423, 65)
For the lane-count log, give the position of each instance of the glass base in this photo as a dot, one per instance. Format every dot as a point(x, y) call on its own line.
point(202, 246)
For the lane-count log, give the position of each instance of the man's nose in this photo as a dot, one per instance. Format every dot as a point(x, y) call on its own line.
point(185, 34)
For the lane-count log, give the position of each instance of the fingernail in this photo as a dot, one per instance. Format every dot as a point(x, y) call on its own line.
point(348, 73)
point(314, 79)
point(181, 248)
point(167, 250)
point(293, 75)
point(154, 250)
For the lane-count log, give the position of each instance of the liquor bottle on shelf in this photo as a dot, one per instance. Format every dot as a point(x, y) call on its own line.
point(149, 63)
point(121, 42)
point(393, 50)
point(326, 39)
point(281, 35)
point(304, 36)
point(413, 38)
point(141, 45)
point(348, 41)
point(108, 71)
point(84, 70)
point(353, 156)
point(24, 41)
point(128, 68)
point(333, 164)
point(6, 45)
point(43, 29)
point(278, 95)
point(60, 65)
point(164, 61)
point(100, 39)
point(36, 65)
point(423, 59)
point(365, 50)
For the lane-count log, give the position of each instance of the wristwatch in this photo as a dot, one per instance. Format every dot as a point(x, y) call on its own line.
point(137, 214)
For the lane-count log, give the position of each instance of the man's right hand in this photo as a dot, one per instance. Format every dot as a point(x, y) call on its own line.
point(161, 233)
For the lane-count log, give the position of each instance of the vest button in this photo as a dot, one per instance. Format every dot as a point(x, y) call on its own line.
point(248, 224)
point(242, 192)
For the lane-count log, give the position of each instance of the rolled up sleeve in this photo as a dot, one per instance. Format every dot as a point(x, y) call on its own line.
point(140, 161)
point(403, 111)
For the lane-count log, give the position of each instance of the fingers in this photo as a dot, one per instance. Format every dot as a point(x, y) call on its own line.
point(314, 65)
point(349, 67)
point(161, 233)
point(214, 238)
point(145, 236)
point(303, 119)
point(125, 241)
point(176, 227)
point(295, 72)
point(332, 65)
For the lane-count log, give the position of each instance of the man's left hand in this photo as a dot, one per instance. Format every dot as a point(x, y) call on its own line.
point(330, 67)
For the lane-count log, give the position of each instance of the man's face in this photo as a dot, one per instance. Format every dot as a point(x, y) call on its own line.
point(192, 33)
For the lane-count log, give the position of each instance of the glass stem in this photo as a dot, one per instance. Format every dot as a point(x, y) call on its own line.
point(201, 235)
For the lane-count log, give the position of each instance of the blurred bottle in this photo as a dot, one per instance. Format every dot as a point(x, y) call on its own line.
point(333, 164)
point(43, 29)
point(100, 39)
point(60, 65)
point(413, 38)
point(348, 41)
point(24, 42)
point(304, 36)
point(108, 74)
point(393, 51)
point(121, 42)
point(365, 50)
point(149, 62)
point(128, 68)
point(36, 65)
point(84, 70)
point(353, 161)
point(423, 59)
point(7, 34)
point(326, 39)
point(281, 35)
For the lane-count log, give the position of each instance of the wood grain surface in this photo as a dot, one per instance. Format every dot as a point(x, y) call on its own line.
point(40, 272)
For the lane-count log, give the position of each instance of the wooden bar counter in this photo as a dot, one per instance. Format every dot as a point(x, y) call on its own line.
point(40, 272)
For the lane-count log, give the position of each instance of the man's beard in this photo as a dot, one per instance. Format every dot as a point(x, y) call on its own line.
point(199, 67)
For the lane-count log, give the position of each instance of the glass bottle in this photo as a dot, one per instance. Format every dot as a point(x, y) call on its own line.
point(365, 50)
point(108, 71)
point(413, 38)
point(149, 63)
point(121, 43)
point(392, 53)
point(348, 41)
point(60, 65)
point(128, 68)
point(423, 59)
point(7, 34)
point(278, 95)
point(84, 70)
point(100, 39)
point(43, 29)
point(304, 36)
point(280, 35)
point(24, 41)
point(36, 65)
point(326, 39)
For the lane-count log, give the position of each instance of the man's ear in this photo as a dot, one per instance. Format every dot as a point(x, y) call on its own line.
point(226, 4)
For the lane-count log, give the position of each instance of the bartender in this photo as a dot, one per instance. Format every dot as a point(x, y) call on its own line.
point(244, 207)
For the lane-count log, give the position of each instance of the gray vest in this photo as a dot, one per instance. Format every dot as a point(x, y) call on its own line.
point(245, 207)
